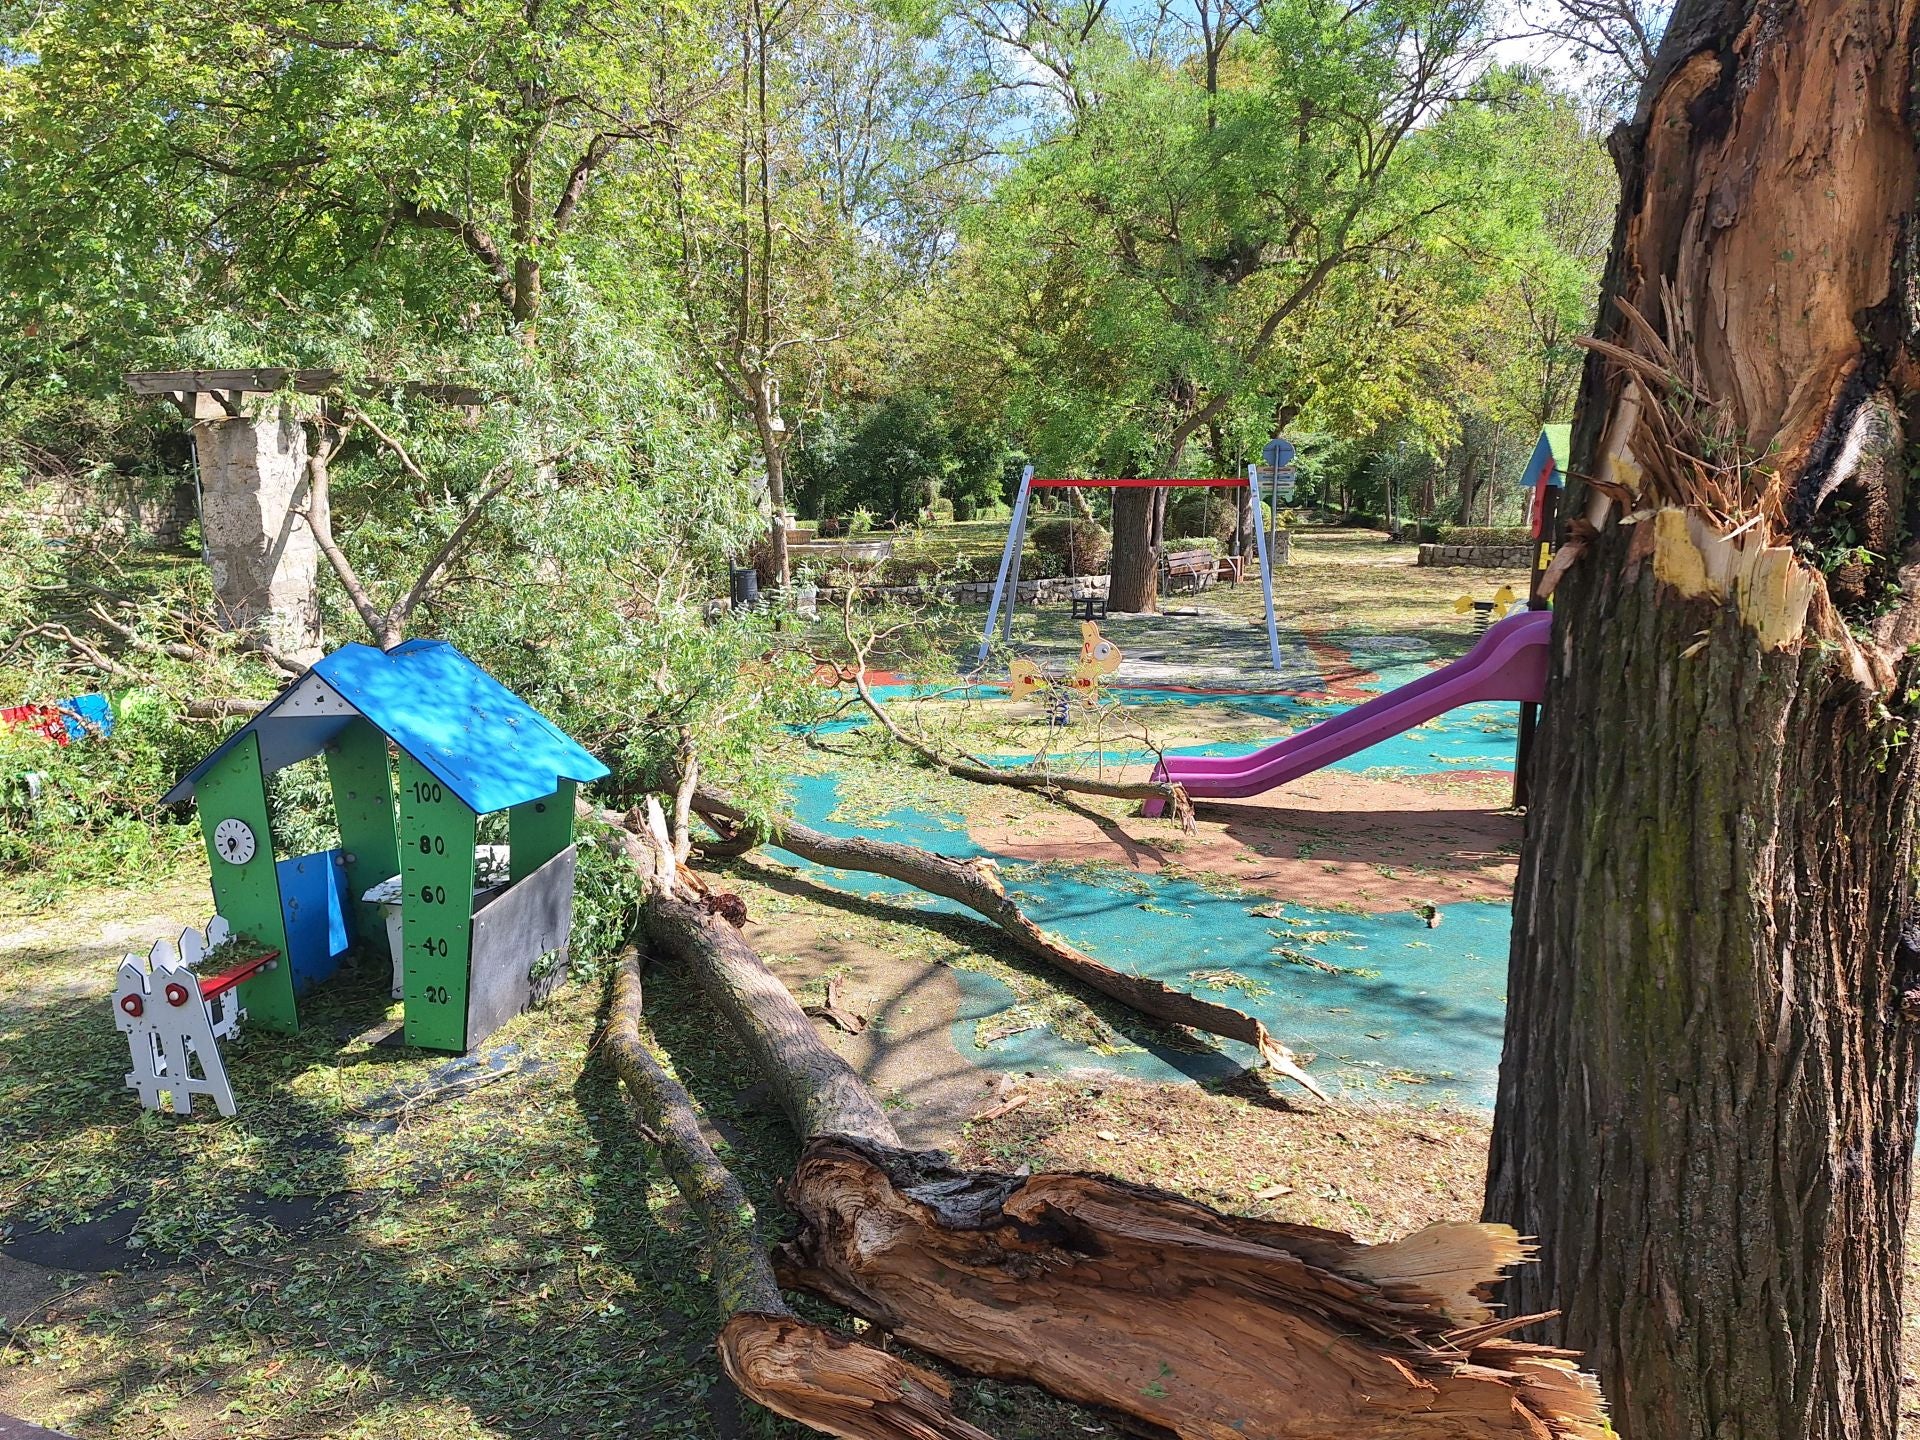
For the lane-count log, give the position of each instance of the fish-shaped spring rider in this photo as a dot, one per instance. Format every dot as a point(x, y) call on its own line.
point(1099, 657)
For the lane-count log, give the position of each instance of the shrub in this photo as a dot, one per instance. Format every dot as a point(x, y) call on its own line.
point(1365, 520)
point(1073, 545)
point(911, 569)
point(1483, 535)
point(1193, 514)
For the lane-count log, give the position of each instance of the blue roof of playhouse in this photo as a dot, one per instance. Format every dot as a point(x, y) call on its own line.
point(1550, 456)
point(479, 739)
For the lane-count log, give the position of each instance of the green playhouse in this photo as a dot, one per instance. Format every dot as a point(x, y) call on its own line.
point(467, 942)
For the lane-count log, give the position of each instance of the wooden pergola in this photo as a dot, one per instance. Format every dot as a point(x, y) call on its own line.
point(217, 394)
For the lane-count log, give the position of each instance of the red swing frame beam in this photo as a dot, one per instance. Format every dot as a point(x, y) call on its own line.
point(1132, 483)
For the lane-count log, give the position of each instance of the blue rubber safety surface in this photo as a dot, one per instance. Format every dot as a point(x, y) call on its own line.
point(1410, 1014)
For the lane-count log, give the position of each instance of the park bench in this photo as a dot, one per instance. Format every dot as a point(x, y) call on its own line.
point(1230, 568)
point(1188, 566)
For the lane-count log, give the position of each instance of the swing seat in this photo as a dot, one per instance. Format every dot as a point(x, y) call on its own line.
point(1091, 606)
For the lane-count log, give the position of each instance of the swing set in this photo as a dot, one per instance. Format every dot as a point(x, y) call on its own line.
point(1006, 586)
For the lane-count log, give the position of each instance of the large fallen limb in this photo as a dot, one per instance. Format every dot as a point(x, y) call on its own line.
point(819, 1091)
point(795, 1369)
point(1202, 1325)
point(974, 884)
point(1048, 782)
point(1211, 1327)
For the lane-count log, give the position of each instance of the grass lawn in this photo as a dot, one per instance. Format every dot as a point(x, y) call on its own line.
point(390, 1243)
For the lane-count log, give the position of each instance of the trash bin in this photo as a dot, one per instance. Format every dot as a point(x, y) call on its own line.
point(746, 587)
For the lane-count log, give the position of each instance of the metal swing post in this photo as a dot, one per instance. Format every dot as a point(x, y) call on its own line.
point(1009, 562)
point(1266, 570)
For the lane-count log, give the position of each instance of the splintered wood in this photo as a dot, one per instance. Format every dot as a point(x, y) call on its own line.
point(1191, 1323)
point(1211, 1327)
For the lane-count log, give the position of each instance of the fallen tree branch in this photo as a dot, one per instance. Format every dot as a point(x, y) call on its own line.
point(224, 707)
point(976, 770)
point(1192, 1323)
point(819, 1091)
point(974, 884)
point(824, 1380)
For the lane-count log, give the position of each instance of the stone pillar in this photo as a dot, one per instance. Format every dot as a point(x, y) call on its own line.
point(253, 476)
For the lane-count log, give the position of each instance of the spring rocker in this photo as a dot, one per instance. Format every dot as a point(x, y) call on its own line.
point(1486, 612)
point(1031, 680)
point(468, 946)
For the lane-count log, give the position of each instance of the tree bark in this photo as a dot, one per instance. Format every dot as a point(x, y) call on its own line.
point(1135, 567)
point(1189, 1322)
point(819, 1091)
point(1707, 1098)
point(798, 1370)
point(773, 451)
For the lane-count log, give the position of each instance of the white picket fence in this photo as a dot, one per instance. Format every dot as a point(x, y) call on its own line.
point(169, 1025)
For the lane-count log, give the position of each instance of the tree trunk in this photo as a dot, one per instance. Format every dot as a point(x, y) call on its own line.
point(819, 1091)
point(773, 448)
point(801, 1371)
point(1135, 566)
point(1707, 1098)
point(1189, 1322)
point(1467, 480)
point(1139, 520)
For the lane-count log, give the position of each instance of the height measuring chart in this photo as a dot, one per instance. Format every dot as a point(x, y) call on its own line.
point(436, 869)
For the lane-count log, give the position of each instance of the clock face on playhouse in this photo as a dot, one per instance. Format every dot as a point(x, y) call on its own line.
point(233, 841)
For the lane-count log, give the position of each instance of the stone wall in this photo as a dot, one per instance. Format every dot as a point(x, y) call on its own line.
point(116, 507)
point(1479, 557)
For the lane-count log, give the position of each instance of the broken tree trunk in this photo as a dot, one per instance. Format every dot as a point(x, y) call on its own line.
point(1709, 1086)
point(818, 1090)
point(974, 884)
point(1201, 1325)
point(798, 1370)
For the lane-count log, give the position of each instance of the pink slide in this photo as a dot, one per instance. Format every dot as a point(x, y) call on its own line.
point(1509, 662)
